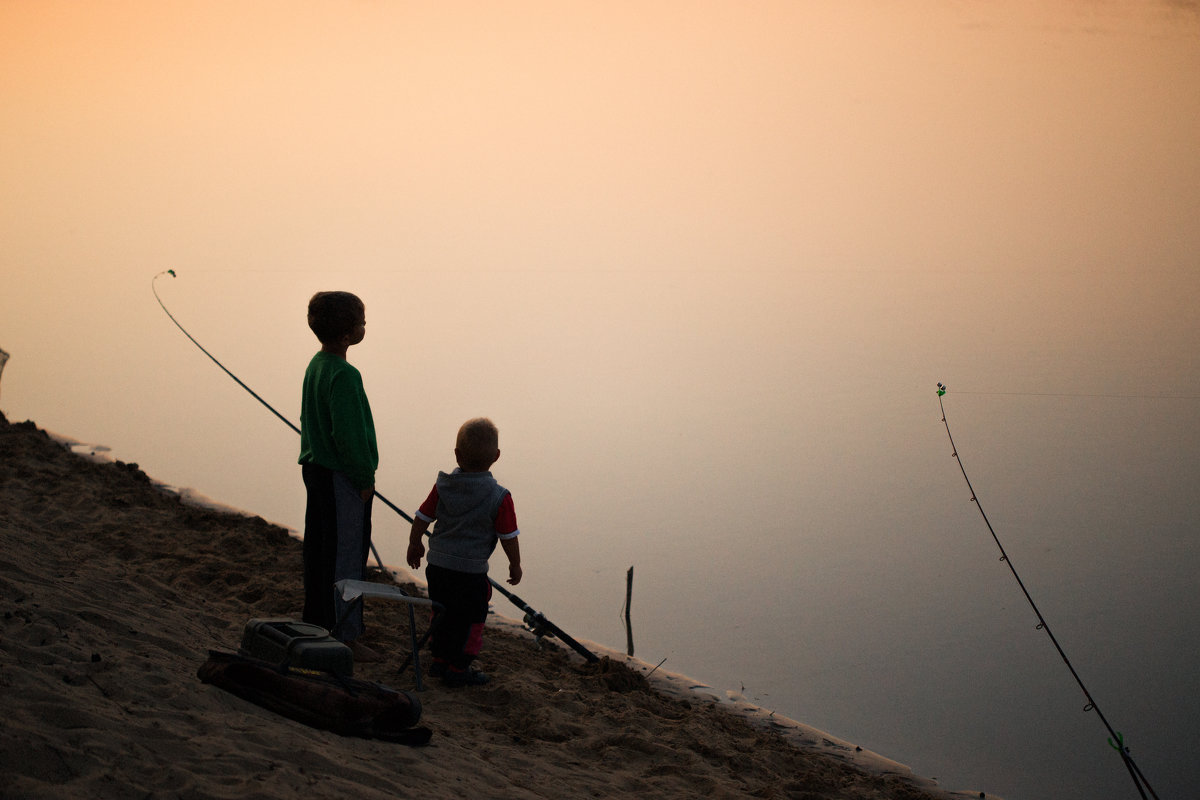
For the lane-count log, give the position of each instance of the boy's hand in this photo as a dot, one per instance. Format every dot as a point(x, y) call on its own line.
point(415, 551)
point(512, 549)
point(416, 542)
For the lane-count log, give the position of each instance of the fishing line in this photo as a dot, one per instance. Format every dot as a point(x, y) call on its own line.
point(534, 619)
point(1086, 394)
point(1117, 740)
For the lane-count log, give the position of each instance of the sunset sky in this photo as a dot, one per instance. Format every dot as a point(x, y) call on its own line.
point(557, 147)
point(702, 261)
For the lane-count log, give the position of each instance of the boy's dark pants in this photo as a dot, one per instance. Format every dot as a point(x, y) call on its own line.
point(458, 635)
point(337, 540)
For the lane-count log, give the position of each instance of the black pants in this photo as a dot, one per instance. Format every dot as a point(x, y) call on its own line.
point(458, 635)
point(337, 541)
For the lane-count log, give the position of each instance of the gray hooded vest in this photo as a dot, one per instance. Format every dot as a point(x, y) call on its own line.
point(464, 533)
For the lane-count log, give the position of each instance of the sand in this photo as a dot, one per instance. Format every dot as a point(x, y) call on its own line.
point(113, 590)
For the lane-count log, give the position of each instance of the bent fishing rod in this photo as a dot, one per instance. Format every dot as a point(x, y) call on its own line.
point(535, 620)
point(1116, 740)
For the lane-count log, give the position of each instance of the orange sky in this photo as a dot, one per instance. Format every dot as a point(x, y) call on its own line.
point(703, 262)
point(785, 172)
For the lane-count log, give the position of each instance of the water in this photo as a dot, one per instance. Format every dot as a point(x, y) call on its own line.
point(704, 267)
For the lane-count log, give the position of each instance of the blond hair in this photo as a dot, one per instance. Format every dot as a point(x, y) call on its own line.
point(478, 444)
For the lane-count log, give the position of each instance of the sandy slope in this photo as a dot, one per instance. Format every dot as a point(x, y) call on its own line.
point(113, 590)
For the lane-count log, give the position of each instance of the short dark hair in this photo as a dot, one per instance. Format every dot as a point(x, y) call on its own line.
point(332, 315)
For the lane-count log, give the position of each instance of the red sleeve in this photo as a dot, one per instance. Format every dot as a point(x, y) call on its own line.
point(428, 509)
point(506, 517)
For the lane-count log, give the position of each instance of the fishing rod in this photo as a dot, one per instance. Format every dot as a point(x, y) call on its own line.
point(236, 379)
point(537, 622)
point(1116, 740)
point(534, 620)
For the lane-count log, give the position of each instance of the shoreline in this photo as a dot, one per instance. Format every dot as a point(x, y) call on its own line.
point(668, 682)
point(668, 736)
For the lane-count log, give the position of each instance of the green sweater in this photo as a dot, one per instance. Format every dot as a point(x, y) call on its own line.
point(336, 428)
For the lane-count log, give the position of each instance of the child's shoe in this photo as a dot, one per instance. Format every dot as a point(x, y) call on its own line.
point(456, 678)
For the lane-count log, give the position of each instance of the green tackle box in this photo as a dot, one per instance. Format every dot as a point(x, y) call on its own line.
point(296, 644)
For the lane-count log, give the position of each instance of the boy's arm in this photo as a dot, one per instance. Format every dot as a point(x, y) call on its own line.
point(512, 549)
point(416, 542)
point(421, 522)
point(353, 432)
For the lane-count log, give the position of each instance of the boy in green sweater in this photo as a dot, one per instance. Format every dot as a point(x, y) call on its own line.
point(338, 457)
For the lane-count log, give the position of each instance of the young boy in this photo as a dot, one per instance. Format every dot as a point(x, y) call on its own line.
point(339, 455)
point(473, 512)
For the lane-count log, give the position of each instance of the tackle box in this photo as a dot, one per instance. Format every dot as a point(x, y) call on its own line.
point(297, 644)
